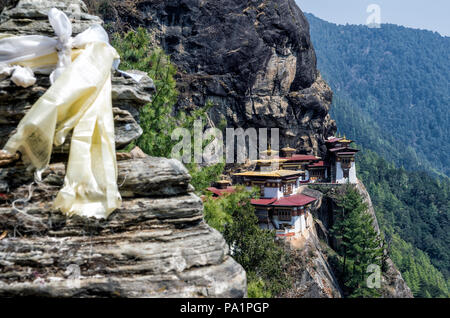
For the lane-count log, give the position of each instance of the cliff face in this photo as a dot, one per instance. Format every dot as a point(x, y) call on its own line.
point(392, 282)
point(155, 245)
point(253, 59)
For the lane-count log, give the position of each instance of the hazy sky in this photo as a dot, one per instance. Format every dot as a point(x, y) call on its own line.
point(421, 14)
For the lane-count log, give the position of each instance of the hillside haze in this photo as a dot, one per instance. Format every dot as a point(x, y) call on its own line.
point(391, 90)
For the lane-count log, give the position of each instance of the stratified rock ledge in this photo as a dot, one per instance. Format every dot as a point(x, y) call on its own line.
point(156, 245)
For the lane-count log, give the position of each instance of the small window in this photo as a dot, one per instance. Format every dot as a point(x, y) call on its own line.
point(287, 189)
point(284, 215)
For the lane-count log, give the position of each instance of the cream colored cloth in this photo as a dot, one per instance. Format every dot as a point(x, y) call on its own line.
point(78, 101)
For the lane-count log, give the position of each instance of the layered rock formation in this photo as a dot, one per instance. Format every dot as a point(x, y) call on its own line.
point(253, 59)
point(155, 245)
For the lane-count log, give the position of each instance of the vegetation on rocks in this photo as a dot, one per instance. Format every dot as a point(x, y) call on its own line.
point(158, 120)
point(359, 244)
point(136, 52)
point(264, 259)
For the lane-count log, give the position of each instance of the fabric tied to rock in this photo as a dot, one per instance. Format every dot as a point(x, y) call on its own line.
point(78, 101)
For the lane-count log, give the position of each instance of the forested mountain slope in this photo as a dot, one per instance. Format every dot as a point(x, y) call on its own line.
point(391, 89)
point(413, 210)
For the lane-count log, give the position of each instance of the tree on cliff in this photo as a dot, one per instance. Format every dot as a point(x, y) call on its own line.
point(358, 243)
point(263, 259)
point(137, 53)
point(157, 119)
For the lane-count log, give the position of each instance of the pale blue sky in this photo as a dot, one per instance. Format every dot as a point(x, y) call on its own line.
point(420, 14)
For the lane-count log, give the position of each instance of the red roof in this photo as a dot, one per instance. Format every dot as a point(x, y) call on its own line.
point(263, 201)
point(317, 164)
point(333, 140)
point(294, 200)
point(343, 148)
point(220, 192)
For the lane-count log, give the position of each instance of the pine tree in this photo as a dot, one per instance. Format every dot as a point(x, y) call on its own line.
point(358, 243)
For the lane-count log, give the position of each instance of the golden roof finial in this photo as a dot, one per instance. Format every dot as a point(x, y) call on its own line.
point(345, 140)
point(269, 152)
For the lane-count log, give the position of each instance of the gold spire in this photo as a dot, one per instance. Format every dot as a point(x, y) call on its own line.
point(345, 140)
point(269, 152)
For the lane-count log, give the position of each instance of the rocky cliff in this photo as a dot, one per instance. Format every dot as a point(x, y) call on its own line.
point(321, 243)
point(253, 59)
point(155, 245)
point(394, 286)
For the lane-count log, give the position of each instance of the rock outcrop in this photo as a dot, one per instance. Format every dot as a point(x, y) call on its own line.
point(312, 273)
point(252, 59)
point(392, 282)
point(155, 245)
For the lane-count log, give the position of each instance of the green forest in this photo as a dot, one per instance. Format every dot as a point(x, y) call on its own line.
point(391, 95)
point(391, 90)
point(413, 211)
